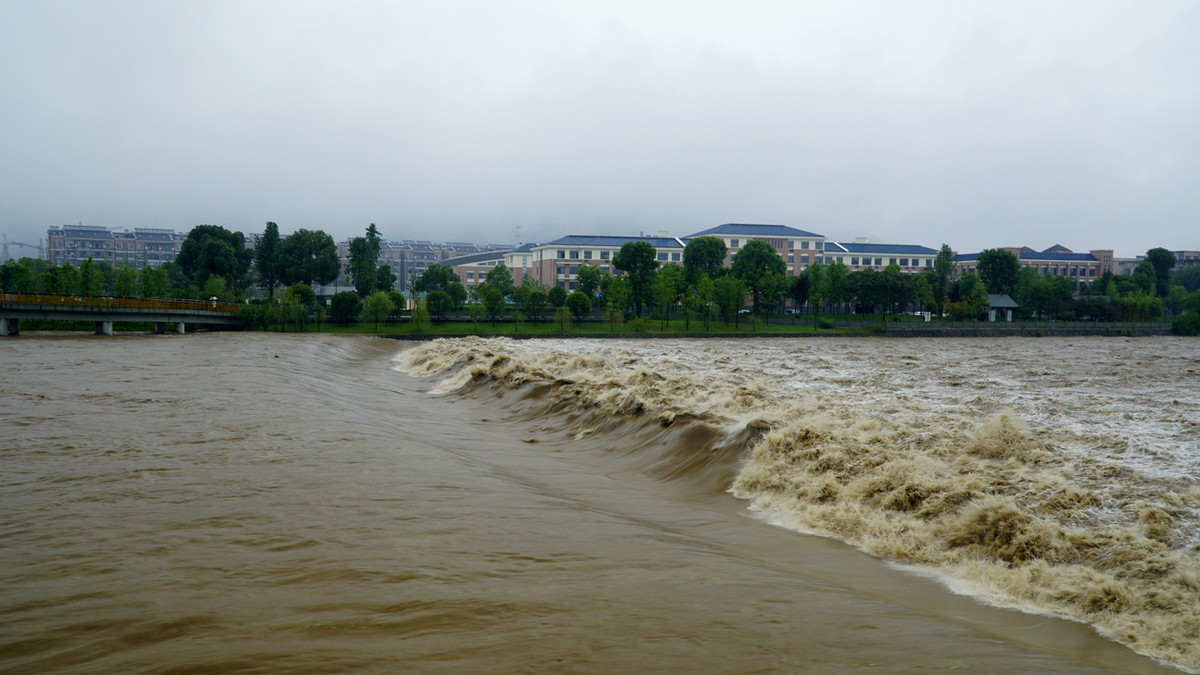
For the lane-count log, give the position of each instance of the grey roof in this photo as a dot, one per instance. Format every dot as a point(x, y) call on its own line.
point(1002, 301)
point(604, 240)
point(1030, 254)
point(750, 230)
point(887, 249)
point(474, 258)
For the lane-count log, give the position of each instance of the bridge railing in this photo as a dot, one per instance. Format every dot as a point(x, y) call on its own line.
point(130, 303)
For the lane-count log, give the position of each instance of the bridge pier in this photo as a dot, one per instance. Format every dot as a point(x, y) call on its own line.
point(104, 328)
point(180, 328)
point(10, 326)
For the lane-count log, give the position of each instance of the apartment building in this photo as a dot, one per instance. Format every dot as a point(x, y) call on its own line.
point(409, 258)
point(143, 247)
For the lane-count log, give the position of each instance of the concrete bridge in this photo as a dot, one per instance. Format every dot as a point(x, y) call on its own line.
point(104, 311)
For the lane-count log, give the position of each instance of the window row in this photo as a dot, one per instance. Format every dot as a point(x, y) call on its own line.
point(564, 254)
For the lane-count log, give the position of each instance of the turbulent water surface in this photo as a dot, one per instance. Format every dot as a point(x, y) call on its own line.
point(260, 503)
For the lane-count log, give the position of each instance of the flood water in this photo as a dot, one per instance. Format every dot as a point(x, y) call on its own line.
point(281, 503)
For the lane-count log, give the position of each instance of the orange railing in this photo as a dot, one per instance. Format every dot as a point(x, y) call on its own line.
point(131, 303)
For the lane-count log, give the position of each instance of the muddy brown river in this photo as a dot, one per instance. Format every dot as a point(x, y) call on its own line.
point(262, 503)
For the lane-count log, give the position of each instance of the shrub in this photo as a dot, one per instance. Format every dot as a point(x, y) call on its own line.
point(1187, 324)
point(344, 307)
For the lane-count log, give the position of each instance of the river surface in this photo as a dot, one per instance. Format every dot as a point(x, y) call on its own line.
point(265, 503)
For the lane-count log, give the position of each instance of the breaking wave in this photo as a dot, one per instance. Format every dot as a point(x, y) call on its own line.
point(1001, 482)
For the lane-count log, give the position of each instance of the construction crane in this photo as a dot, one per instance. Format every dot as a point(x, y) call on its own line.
point(41, 250)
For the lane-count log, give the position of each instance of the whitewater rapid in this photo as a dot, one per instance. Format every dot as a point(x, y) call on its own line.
point(1053, 476)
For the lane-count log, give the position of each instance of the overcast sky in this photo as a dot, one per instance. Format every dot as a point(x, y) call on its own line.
point(978, 124)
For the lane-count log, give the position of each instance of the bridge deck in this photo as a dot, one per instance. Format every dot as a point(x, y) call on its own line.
point(100, 309)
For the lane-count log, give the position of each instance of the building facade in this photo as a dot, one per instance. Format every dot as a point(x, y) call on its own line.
point(1059, 261)
point(797, 248)
point(863, 255)
point(410, 258)
point(556, 263)
point(143, 247)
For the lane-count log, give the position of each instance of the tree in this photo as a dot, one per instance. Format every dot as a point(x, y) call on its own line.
point(897, 289)
point(1188, 277)
point(398, 303)
point(703, 255)
point(126, 282)
point(639, 262)
point(493, 302)
point(90, 281)
point(17, 277)
point(924, 287)
point(1176, 300)
point(816, 289)
point(176, 279)
point(439, 303)
point(579, 303)
point(212, 249)
point(268, 258)
point(457, 293)
point(362, 267)
point(690, 302)
point(344, 307)
point(376, 307)
point(215, 287)
point(799, 289)
point(500, 278)
point(618, 296)
point(562, 319)
point(834, 280)
point(385, 278)
point(674, 274)
point(999, 270)
point(663, 293)
point(66, 280)
point(730, 294)
point(1144, 278)
point(943, 266)
point(865, 289)
point(298, 299)
point(436, 277)
point(300, 294)
point(308, 257)
point(1043, 295)
point(1163, 261)
point(154, 282)
point(587, 280)
point(773, 292)
point(536, 300)
point(753, 265)
point(706, 293)
point(975, 293)
point(557, 296)
point(420, 315)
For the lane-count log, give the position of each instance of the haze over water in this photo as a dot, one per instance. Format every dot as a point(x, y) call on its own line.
point(268, 503)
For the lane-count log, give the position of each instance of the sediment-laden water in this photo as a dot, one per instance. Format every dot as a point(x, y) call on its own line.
point(261, 503)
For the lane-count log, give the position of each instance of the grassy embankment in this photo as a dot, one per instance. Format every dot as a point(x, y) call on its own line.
point(745, 326)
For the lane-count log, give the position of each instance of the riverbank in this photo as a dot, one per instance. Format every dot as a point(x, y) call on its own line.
point(844, 329)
